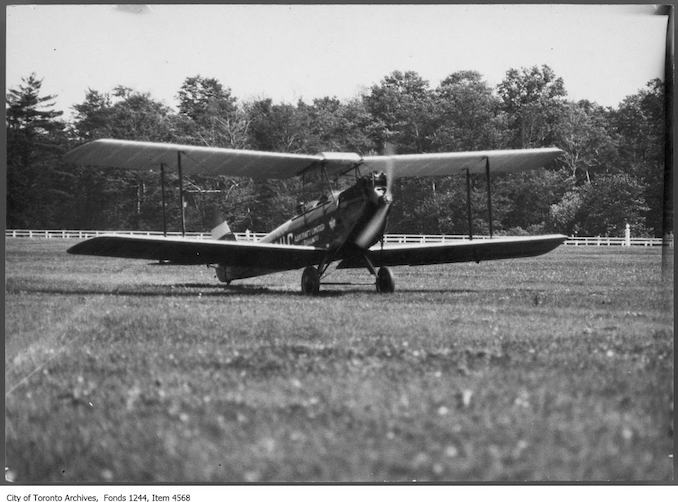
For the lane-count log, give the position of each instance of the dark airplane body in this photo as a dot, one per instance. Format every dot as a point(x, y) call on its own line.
point(345, 224)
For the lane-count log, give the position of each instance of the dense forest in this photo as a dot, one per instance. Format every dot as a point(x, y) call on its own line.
point(612, 173)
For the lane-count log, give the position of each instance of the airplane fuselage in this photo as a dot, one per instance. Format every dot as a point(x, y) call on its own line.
point(344, 224)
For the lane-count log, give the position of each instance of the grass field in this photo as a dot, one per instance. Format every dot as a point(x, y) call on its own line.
point(544, 369)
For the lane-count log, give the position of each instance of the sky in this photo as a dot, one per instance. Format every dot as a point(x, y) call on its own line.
point(603, 52)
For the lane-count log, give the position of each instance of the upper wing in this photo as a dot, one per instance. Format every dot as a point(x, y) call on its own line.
point(208, 161)
point(211, 161)
point(458, 251)
point(445, 164)
point(184, 251)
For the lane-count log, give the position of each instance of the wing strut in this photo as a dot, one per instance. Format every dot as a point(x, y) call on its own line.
point(181, 194)
point(164, 204)
point(489, 199)
point(489, 192)
point(468, 204)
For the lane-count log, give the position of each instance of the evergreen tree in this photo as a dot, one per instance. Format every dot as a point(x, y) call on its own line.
point(35, 142)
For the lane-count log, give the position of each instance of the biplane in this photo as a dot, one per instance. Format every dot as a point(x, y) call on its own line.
point(344, 226)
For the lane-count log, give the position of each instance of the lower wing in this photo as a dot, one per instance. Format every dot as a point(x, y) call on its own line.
point(457, 251)
point(182, 251)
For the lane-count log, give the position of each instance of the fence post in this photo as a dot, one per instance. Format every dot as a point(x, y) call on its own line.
point(627, 235)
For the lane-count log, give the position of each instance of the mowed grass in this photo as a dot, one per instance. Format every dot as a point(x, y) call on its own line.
point(552, 368)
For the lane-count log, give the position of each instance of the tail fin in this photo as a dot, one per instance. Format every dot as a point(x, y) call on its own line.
point(222, 232)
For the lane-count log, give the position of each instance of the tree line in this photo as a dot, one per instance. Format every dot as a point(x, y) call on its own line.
point(612, 172)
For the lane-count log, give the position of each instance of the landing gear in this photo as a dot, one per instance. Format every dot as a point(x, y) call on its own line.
point(385, 282)
point(310, 281)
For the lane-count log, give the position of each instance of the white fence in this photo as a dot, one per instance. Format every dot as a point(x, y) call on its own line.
point(388, 238)
point(619, 241)
point(86, 234)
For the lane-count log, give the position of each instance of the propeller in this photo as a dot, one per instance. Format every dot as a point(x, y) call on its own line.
point(378, 222)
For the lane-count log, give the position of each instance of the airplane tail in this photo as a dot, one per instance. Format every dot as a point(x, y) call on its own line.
point(222, 232)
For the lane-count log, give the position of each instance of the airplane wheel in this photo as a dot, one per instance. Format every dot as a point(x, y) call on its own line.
point(385, 281)
point(310, 281)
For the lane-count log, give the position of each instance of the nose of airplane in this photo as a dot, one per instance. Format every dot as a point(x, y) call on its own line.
point(375, 226)
point(385, 197)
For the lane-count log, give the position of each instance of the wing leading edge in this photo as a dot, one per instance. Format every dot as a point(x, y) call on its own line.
point(458, 251)
point(182, 251)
